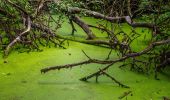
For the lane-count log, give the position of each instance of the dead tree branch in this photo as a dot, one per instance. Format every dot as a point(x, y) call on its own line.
point(84, 26)
point(116, 81)
point(18, 38)
point(111, 62)
point(125, 94)
point(76, 10)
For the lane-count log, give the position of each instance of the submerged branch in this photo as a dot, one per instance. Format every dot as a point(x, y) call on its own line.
point(116, 81)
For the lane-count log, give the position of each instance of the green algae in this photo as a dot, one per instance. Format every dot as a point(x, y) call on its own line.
point(20, 78)
point(25, 82)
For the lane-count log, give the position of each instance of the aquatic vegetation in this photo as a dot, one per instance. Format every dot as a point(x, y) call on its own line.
point(112, 43)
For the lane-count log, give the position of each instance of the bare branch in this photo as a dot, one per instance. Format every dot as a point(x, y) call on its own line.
point(84, 26)
point(17, 39)
point(111, 62)
point(75, 10)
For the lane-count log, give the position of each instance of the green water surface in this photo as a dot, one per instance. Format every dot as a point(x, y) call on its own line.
point(20, 78)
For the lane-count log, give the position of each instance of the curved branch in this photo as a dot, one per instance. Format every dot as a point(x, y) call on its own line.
point(17, 39)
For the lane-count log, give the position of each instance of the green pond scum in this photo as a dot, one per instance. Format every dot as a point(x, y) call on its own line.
point(20, 77)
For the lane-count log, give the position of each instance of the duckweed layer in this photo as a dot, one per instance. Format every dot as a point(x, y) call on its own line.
point(20, 78)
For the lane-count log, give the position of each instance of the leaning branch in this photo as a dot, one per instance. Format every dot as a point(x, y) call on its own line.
point(17, 39)
point(84, 26)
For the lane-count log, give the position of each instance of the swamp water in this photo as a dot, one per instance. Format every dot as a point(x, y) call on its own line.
point(20, 78)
